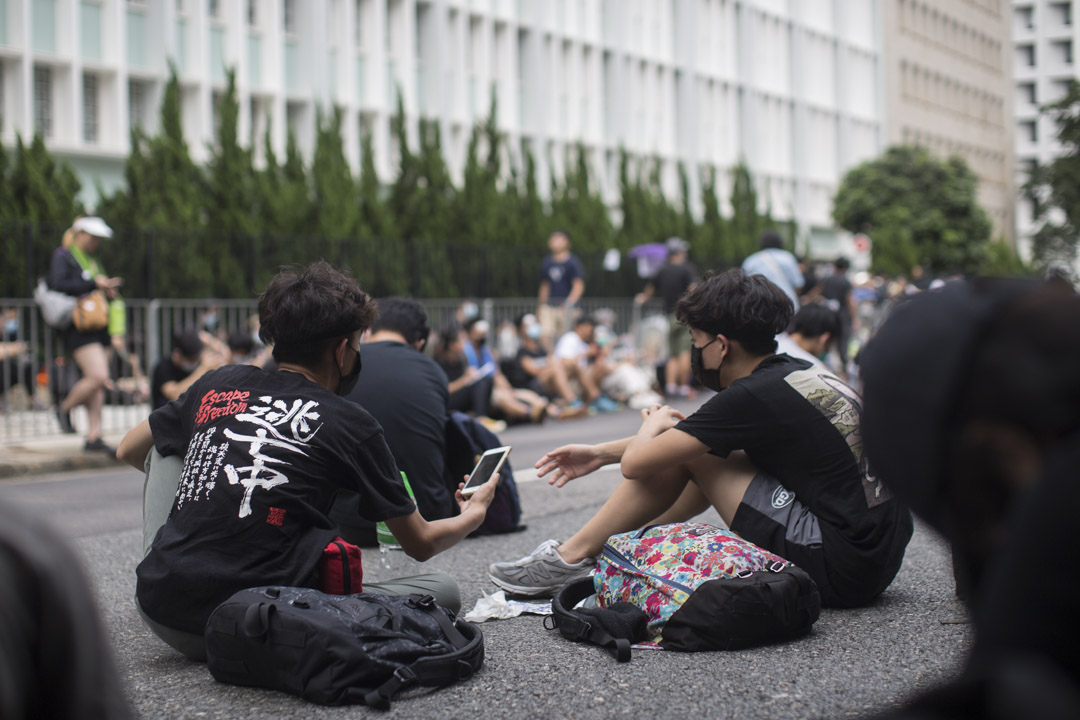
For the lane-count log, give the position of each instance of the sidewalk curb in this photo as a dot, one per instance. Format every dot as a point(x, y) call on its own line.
point(39, 463)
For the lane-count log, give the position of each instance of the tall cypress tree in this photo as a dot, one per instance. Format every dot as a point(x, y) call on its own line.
point(336, 207)
point(230, 174)
point(384, 270)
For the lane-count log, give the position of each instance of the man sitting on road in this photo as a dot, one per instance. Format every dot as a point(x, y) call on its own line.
point(814, 330)
point(264, 455)
point(778, 454)
point(585, 361)
point(193, 355)
point(406, 392)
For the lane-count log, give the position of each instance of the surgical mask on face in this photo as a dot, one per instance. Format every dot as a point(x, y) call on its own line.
point(533, 331)
point(469, 310)
point(11, 327)
point(348, 382)
point(210, 322)
point(708, 378)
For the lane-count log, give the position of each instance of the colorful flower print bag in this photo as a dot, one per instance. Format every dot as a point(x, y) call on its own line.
point(703, 588)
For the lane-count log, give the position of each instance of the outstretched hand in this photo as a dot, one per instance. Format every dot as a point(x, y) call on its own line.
point(569, 462)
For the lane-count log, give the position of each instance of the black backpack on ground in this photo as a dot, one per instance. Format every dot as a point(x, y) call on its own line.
point(339, 649)
point(615, 628)
point(466, 441)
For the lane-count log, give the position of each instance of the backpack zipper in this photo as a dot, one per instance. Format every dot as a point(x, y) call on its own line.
point(619, 559)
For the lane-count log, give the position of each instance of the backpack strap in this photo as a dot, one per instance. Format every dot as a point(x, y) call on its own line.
point(437, 670)
point(576, 625)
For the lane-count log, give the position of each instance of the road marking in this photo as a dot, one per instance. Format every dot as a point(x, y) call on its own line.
point(529, 475)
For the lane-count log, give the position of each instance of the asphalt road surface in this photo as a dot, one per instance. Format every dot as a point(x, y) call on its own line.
point(854, 662)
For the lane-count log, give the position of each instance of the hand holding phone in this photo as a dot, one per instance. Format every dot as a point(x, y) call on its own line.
point(489, 464)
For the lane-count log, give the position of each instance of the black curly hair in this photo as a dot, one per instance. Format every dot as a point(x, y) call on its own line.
point(746, 308)
point(306, 308)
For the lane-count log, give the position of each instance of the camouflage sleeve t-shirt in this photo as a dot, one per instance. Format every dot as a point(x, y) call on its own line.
point(264, 453)
point(802, 425)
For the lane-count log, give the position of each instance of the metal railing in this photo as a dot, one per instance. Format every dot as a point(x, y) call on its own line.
point(36, 371)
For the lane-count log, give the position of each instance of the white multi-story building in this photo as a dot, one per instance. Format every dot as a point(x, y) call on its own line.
point(1045, 38)
point(948, 88)
point(792, 86)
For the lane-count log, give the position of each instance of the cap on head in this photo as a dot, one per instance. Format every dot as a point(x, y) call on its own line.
point(93, 226)
point(676, 245)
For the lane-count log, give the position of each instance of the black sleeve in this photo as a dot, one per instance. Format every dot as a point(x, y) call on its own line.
point(730, 420)
point(66, 276)
point(382, 492)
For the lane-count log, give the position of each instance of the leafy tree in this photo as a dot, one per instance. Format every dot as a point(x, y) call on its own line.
point(40, 200)
point(747, 222)
point(336, 210)
point(918, 209)
point(385, 270)
point(161, 213)
point(710, 245)
point(577, 207)
point(1054, 189)
point(230, 174)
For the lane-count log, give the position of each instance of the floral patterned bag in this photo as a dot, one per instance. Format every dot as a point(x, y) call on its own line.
point(703, 588)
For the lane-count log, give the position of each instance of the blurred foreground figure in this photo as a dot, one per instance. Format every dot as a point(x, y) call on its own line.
point(54, 661)
point(972, 416)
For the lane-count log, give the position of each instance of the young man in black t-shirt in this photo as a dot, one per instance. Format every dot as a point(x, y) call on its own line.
point(264, 455)
point(777, 452)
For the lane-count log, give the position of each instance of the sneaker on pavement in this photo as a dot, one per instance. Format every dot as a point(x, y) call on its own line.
point(98, 445)
point(604, 404)
point(540, 573)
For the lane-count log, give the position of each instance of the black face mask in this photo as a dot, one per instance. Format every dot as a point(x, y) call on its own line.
point(348, 382)
point(707, 378)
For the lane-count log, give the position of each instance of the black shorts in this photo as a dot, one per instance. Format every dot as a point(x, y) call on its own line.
point(73, 339)
point(771, 516)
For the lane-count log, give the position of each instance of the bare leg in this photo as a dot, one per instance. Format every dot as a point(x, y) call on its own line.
point(682, 373)
point(554, 379)
point(690, 504)
point(635, 502)
point(90, 389)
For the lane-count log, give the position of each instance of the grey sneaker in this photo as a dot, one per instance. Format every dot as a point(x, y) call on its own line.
point(540, 573)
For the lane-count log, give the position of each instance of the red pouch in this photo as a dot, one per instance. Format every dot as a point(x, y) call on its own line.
point(340, 569)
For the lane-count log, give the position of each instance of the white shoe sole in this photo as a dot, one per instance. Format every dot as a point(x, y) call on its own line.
point(532, 592)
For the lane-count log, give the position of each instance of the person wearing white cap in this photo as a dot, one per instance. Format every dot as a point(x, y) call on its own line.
point(75, 270)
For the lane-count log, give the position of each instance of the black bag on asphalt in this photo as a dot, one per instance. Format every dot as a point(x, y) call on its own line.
point(466, 441)
point(615, 628)
point(339, 649)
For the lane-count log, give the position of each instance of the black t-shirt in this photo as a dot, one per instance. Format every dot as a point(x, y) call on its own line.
point(838, 288)
point(407, 393)
point(264, 454)
point(801, 425)
point(672, 281)
point(560, 277)
point(518, 376)
point(165, 371)
point(452, 368)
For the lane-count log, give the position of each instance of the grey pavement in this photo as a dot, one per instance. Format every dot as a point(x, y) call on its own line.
point(854, 661)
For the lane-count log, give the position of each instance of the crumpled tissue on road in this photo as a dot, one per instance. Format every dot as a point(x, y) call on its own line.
point(497, 607)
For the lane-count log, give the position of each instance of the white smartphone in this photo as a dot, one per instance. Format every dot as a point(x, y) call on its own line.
point(489, 464)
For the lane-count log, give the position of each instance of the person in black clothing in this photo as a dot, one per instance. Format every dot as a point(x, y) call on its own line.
point(75, 270)
point(778, 453)
point(470, 391)
point(674, 279)
point(189, 360)
point(406, 392)
point(264, 455)
point(973, 417)
point(54, 655)
point(837, 291)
